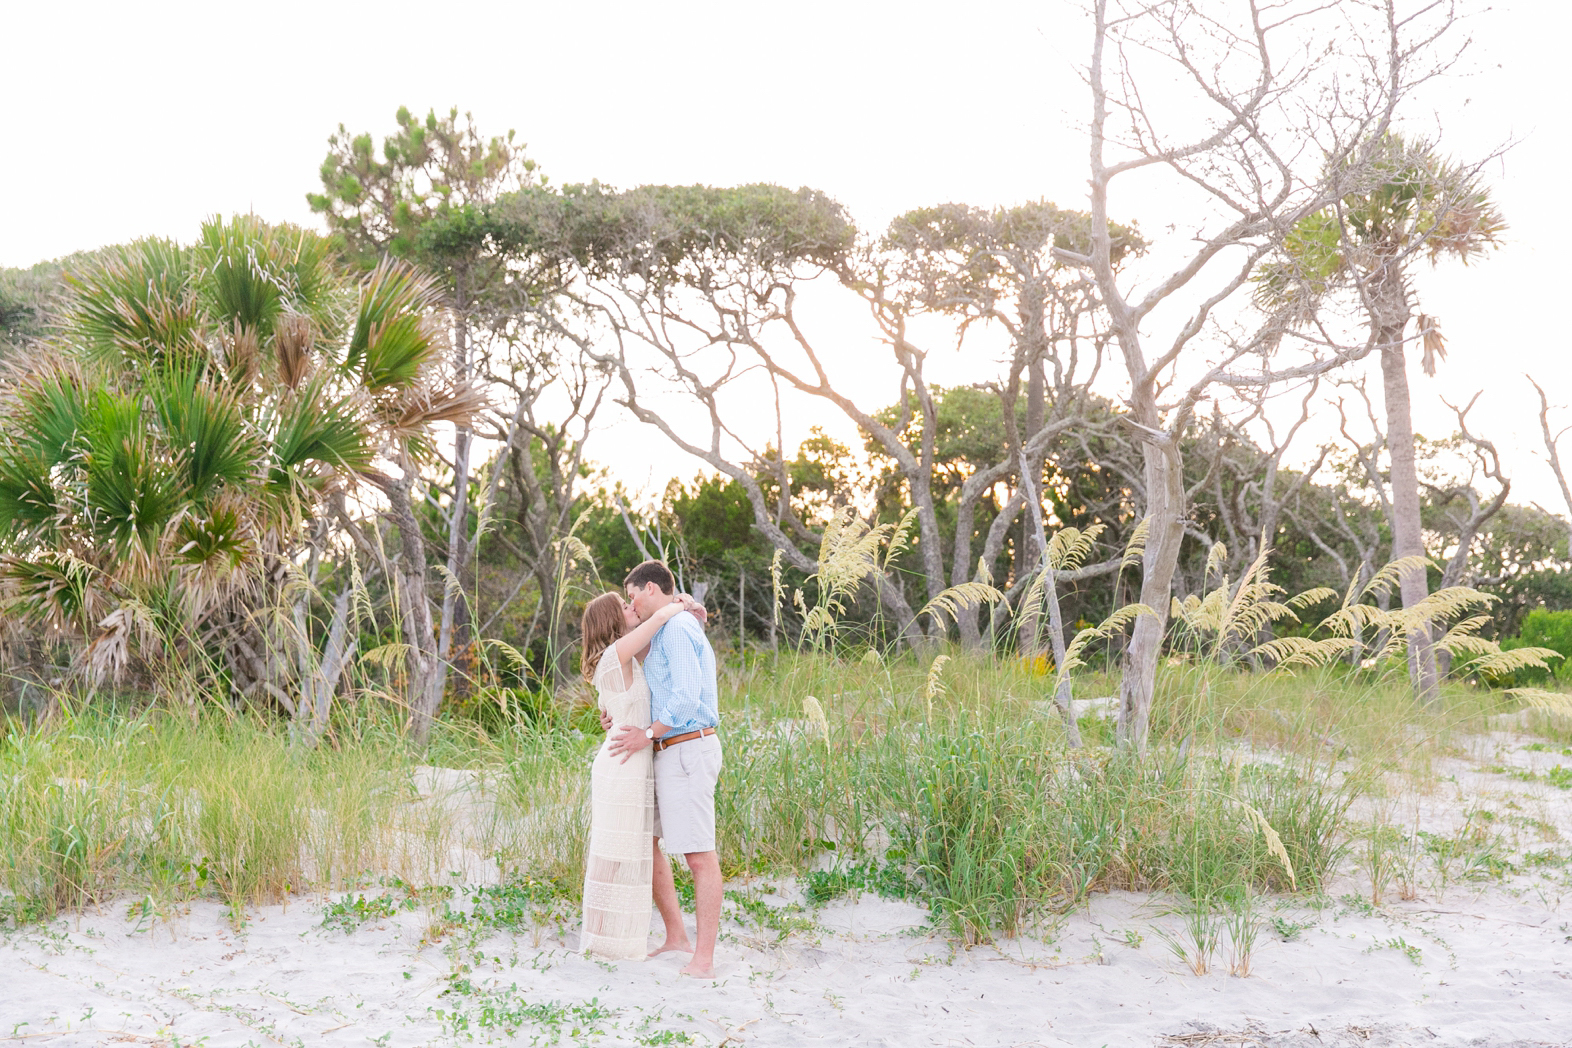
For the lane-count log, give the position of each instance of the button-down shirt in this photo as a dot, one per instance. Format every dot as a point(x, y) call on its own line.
point(680, 669)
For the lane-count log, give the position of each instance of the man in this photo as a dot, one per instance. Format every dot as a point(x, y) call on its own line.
point(680, 669)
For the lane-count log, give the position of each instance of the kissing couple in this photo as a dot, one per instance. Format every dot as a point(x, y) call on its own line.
point(653, 780)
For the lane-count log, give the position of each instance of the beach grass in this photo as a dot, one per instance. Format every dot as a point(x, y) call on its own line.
point(950, 783)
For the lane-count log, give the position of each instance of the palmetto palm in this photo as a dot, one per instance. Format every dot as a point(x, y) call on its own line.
point(1405, 202)
point(163, 458)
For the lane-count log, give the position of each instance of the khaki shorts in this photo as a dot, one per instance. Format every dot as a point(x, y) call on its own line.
point(685, 777)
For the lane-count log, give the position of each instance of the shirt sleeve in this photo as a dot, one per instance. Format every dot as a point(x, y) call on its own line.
point(608, 675)
point(678, 701)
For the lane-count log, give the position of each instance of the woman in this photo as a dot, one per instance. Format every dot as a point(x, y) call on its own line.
point(619, 864)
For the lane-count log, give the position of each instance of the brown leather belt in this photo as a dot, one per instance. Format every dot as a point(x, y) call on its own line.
point(687, 736)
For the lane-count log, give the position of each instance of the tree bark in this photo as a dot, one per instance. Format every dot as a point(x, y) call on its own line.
point(318, 686)
point(1165, 506)
point(1061, 693)
point(1406, 538)
point(458, 521)
point(423, 688)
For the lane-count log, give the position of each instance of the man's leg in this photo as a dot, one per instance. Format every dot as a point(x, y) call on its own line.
point(665, 890)
point(707, 894)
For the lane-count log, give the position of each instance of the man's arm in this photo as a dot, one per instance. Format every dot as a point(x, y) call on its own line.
point(683, 684)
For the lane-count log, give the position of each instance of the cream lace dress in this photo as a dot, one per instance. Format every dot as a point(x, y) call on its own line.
point(619, 863)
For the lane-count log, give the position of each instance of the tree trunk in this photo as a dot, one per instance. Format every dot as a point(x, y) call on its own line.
point(318, 686)
point(1406, 538)
point(1061, 693)
point(423, 690)
point(458, 521)
point(1164, 476)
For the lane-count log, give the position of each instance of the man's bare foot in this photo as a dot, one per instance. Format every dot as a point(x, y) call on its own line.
point(685, 946)
point(699, 971)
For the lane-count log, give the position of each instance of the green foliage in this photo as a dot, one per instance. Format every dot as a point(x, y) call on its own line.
point(1542, 628)
point(422, 197)
point(185, 428)
point(28, 298)
point(675, 234)
point(1405, 197)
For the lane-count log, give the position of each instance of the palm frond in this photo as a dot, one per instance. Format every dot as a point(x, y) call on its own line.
point(133, 495)
point(135, 304)
point(54, 588)
point(206, 424)
point(390, 342)
point(313, 435)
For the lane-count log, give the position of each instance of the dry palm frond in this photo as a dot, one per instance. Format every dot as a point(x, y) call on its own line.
point(293, 337)
point(132, 625)
point(1433, 341)
point(959, 598)
point(409, 415)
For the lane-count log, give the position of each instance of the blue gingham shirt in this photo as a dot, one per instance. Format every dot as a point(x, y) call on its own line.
point(680, 669)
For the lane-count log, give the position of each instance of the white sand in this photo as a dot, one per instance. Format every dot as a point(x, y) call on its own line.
point(1467, 965)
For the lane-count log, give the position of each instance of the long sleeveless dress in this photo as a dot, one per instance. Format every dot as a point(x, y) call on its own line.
point(619, 863)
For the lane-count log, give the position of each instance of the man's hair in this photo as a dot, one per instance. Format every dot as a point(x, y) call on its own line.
point(648, 572)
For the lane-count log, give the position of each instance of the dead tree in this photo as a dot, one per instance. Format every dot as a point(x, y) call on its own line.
point(697, 292)
point(1553, 455)
point(1262, 152)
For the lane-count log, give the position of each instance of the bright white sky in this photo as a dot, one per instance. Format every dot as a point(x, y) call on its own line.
point(136, 119)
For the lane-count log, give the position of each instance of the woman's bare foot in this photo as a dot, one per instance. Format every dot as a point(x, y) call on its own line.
point(699, 971)
point(685, 946)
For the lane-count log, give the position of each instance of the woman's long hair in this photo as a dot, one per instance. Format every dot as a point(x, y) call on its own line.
point(602, 626)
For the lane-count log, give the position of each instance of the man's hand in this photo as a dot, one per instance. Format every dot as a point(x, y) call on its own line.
point(605, 721)
point(626, 741)
point(698, 611)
